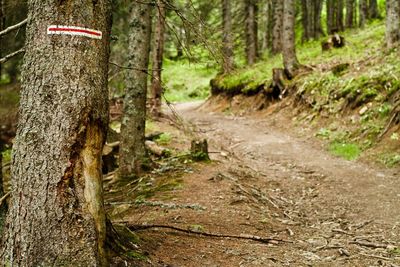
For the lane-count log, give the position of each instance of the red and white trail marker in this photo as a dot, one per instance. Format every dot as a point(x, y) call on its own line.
point(72, 30)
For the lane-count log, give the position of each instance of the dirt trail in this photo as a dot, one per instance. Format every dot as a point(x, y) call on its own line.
point(269, 182)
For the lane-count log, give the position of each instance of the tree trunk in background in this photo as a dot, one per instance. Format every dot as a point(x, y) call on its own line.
point(349, 13)
point(251, 31)
point(373, 12)
point(157, 53)
point(227, 43)
point(306, 20)
point(267, 41)
point(277, 6)
point(363, 12)
point(392, 23)
point(290, 61)
point(339, 15)
point(132, 153)
point(56, 215)
point(318, 32)
point(331, 16)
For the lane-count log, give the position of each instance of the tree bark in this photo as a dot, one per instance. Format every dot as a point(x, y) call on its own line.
point(349, 13)
point(251, 31)
point(132, 154)
point(267, 36)
point(56, 215)
point(363, 12)
point(290, 61)
point(373, 12)
point(227, 43)
point(339, 15)
point(157, 53)
point(392, 23)
point(305, 13)
point(2, 26)
point(277, 6)
point(3, 206)
point(331, 16)
point(318, 32)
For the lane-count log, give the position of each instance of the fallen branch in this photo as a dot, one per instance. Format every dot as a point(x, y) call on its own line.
point(4, 198)
point(6, 58)
point(159, 204)
point(376, 256)
point(14, 27)
point(265, 240)
point(368, 244)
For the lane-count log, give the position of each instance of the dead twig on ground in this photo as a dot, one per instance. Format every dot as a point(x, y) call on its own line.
point(159, 204)
point(376, 256)
point(368, 244)
point(265, 240)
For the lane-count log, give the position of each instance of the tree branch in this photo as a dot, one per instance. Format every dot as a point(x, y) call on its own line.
point(6, 58)
point(265, 240)
point(4, 198)
point(14, 27)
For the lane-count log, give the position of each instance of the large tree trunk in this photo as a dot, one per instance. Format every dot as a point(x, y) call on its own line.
point(132, 154)
point(227, 42)
point(56, 215)
point(277, 6)
point(2, 26)
point(157, 53)
point(392, 23)
point(3, 206)
point(251, 31)
point(349, 13)
point(290, 61)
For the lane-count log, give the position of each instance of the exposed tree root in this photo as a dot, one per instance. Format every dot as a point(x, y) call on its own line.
point(265, 240)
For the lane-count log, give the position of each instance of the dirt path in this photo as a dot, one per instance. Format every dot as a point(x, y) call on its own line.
point(268, 182)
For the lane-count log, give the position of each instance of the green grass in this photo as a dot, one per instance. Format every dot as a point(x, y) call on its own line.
point(347, 151)
point(164, 139)
point(248, 79)
point(187, 81)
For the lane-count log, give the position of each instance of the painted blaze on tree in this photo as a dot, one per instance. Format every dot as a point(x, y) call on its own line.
point(56, 215)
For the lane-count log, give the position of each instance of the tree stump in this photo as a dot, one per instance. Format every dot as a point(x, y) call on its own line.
point(199, 150)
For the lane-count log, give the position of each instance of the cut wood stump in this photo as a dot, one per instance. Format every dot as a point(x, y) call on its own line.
point(199, 150)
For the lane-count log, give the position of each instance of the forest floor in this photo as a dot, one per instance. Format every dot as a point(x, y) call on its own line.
point(267, 179)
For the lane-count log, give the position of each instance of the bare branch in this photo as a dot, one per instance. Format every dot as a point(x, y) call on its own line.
point(4, 198)
point(14, 27)
point(6, 58)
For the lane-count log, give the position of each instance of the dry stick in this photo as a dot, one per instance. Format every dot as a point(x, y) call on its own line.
point(6, 58)
point(266, 240)
point(4, 198)
point(369, 244)
point(14, 27)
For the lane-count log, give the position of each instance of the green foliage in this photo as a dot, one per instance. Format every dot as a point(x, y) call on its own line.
point(186, 81)
point(347, 151)
point(6, 155)
point(164, 139)
point(391, 159)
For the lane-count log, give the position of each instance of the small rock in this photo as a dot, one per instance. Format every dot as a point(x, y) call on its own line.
point(363, 110)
